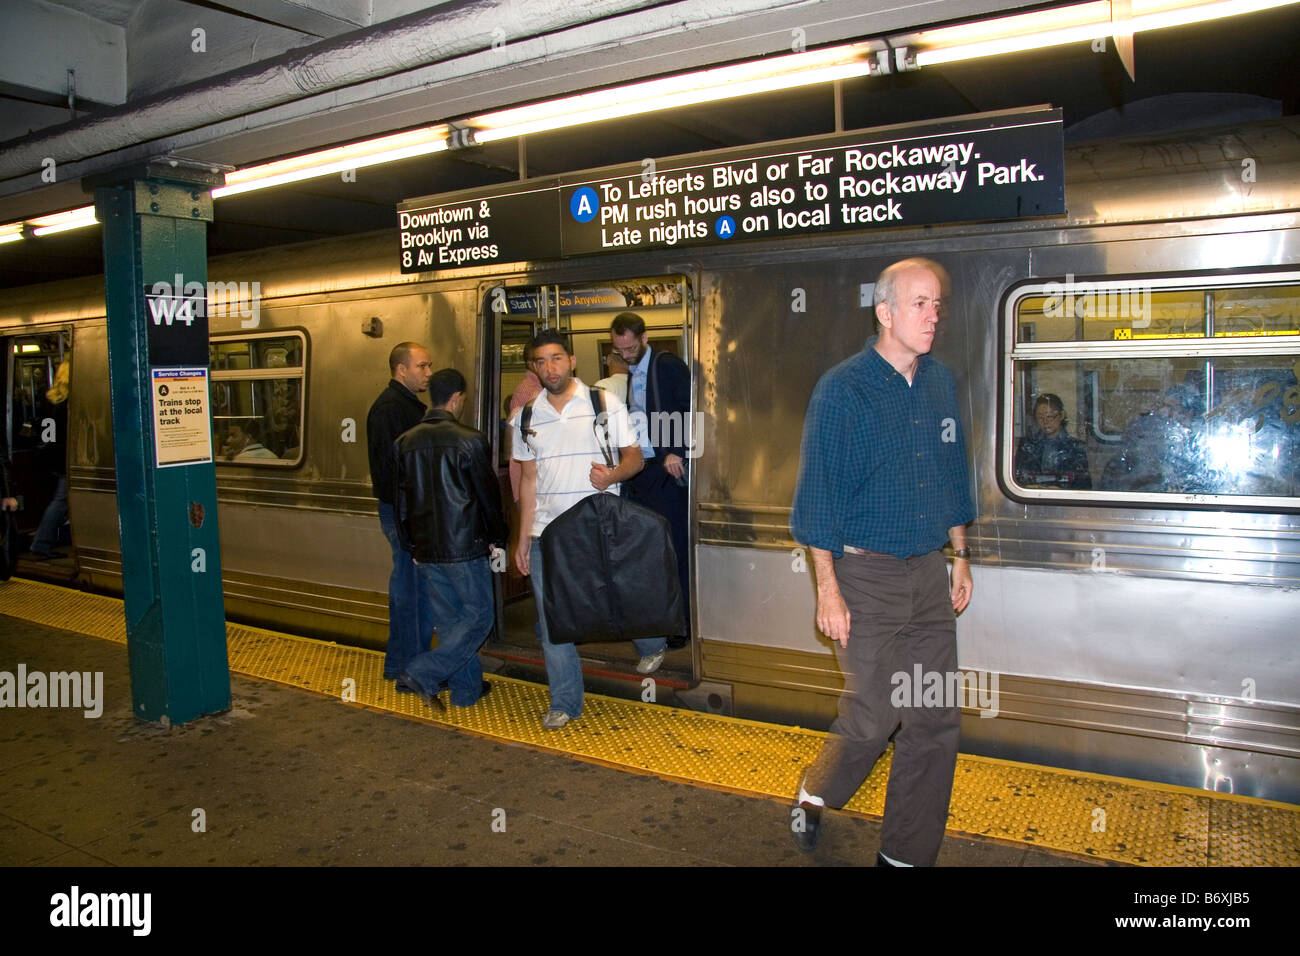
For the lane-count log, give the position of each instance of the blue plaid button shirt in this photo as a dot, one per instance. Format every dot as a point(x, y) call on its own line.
point(882, 465)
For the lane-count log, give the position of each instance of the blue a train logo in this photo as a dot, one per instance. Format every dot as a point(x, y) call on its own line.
point(725, 227)
point(584, 204)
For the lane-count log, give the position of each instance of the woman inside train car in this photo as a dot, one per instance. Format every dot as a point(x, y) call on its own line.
point(1051, 458)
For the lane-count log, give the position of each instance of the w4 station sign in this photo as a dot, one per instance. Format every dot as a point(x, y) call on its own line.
point(981, 168)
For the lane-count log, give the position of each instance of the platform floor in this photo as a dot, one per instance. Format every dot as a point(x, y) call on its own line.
point(353, 773)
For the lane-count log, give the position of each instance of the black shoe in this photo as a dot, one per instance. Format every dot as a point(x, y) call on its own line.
point(677, 643)
point(806, 827)
point(409, 685)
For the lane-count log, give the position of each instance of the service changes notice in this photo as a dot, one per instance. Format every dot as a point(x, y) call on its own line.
point(182, 430)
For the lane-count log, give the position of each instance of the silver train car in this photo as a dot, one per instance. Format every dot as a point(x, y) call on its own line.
point(1136, 615)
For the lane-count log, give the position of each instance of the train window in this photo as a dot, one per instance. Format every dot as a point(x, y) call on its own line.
point(1083, 312)
point(1154, 390)
point(257, 398)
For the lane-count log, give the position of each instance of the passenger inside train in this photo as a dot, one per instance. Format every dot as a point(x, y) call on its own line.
point(1051, 458)
point(244, 442)
point(1160, 450)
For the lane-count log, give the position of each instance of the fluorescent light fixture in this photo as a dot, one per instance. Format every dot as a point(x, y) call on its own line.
point(372, 152)
point(63, 221)
point(1075, 24)
point(703, 86)
point(11, 232)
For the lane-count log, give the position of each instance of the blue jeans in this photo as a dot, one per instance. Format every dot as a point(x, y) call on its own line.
point(465, 609)
point(47, 533)
point(410, 612)
point(563, 669)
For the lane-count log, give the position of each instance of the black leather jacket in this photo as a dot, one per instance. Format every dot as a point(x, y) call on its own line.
point(448, 500)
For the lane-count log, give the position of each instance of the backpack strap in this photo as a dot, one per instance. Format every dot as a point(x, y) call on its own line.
point(600, 421)
point(652, 383)
point(525, 418)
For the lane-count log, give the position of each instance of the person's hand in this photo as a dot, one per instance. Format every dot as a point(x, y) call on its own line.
point(833, 617)
point(9, 504)
point(674, 465)
point(963, 586)
point(602, 476)
point(521, 554)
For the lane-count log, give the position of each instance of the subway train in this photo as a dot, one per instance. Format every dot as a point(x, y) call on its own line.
point(1134, 613)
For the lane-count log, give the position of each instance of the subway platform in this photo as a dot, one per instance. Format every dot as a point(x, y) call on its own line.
point(320, 763)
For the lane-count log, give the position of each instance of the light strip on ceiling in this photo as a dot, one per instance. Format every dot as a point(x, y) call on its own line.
point(11, 232)
point(703, 86)
point(372, 152)
point(63, 221)
point(1077, 24)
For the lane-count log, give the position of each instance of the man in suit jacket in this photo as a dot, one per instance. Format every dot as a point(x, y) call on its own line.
point(659, 402)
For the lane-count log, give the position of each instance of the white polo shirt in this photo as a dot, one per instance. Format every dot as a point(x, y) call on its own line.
point(564, 446)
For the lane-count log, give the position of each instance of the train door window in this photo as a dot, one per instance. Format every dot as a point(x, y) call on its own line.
point(1154, 390)
point(36, 420)
point(257, 398)
point(584, 312)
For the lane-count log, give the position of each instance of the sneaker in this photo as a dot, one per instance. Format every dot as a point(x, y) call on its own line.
point(648, 665)
point(555, 720)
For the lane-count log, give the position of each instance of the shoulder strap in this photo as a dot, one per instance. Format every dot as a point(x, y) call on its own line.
point(653, 384)
point(600, 422)
point(525, 418)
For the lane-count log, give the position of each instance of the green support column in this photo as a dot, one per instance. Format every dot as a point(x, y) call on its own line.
point(155, 233)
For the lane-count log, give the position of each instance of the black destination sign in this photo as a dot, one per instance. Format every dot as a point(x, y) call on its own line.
point(987, 167)
point(499, 224)
point(1003, 169)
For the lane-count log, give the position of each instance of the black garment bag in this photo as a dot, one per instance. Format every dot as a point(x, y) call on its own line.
point(610, 569)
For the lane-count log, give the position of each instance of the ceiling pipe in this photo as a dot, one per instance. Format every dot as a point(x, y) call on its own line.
point(450, 30)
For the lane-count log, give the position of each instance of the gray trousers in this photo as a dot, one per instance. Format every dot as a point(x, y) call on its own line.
point(901, 616)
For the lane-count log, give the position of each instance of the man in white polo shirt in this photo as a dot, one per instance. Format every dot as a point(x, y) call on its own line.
point(562, 464)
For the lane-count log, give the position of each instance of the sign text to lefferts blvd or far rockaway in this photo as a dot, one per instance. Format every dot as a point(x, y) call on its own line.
point(1006, 166)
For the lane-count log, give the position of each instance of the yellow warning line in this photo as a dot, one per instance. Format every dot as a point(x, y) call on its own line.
point(1083, 814)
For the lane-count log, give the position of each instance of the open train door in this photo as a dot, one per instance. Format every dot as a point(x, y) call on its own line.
point(36, 439)
point(512, 315)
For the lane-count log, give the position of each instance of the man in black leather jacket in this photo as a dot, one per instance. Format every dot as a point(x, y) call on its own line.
point(448, 512)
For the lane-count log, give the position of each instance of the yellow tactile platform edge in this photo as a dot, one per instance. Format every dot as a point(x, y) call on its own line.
point(1087, 815)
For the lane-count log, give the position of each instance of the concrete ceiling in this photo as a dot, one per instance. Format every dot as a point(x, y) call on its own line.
point(143, 91)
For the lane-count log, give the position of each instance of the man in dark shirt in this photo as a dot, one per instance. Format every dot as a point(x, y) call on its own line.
point(659, 406)
point(883, 484)
point(448, 510)
point(397, 409)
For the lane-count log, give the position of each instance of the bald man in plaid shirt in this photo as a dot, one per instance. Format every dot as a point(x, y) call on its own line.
point(883, 484)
